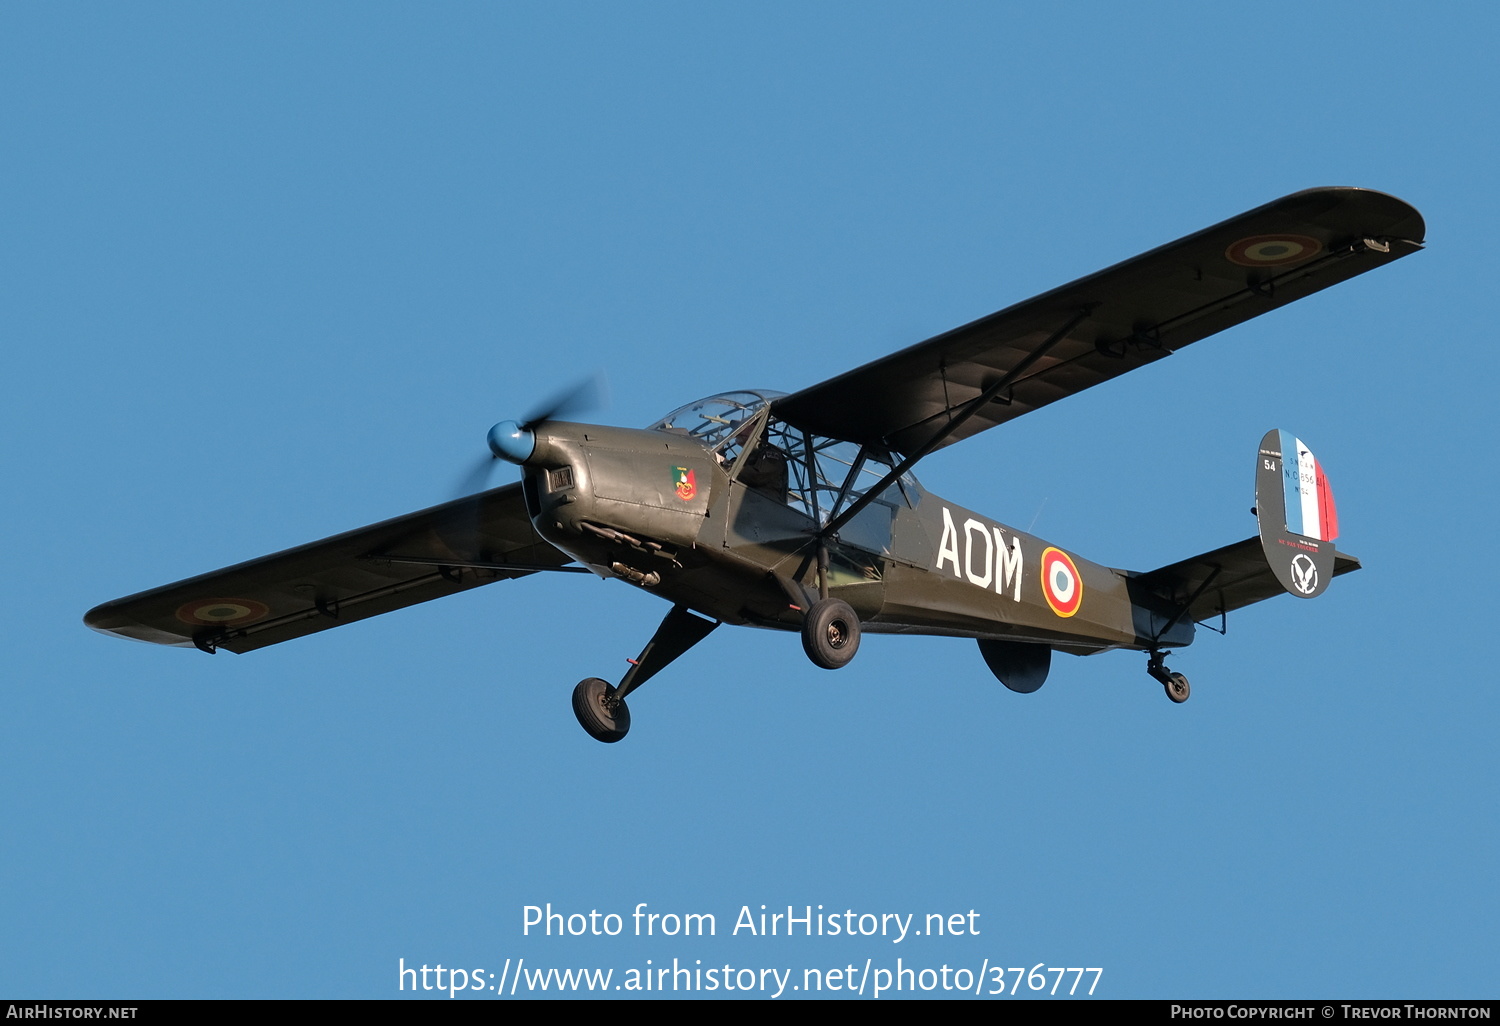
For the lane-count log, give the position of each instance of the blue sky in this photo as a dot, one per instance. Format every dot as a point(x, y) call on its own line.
point(273, 270)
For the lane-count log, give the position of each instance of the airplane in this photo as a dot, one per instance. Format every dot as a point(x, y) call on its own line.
point(799, 512)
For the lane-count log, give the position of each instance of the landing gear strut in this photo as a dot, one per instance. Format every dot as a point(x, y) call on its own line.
point(600, 706)
point(1175, 684)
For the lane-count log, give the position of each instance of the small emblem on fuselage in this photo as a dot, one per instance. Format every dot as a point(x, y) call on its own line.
point(686, 483)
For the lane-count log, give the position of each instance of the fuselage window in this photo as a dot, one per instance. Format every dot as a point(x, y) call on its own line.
point(814, 475)
point(818, 476)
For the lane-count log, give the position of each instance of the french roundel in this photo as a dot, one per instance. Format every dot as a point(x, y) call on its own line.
point(222, 612)
point(1062, 586)
point(1272, 250)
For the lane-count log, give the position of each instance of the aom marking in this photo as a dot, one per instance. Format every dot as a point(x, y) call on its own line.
point(998, 566)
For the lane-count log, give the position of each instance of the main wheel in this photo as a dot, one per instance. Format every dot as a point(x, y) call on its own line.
point(830, 633)
point(1177, 688)
point(599, 711)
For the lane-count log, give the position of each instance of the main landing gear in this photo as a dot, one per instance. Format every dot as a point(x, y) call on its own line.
point(600, 706)
point(1176, 684)
point(830, 626)
point(601, 710)
point(830, 633)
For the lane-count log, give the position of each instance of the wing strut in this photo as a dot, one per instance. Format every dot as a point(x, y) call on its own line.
point(970, 408)
point(1182, 609)
point(460, 564)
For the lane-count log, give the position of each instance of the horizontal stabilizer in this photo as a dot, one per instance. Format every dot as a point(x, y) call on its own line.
point(1225, 579)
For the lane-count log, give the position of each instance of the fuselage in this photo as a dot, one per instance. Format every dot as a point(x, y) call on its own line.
point(719, 508)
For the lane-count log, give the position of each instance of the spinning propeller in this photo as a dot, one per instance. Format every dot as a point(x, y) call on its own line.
point(514, 441)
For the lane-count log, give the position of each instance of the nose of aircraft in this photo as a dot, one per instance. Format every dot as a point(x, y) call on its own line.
point(511, 442)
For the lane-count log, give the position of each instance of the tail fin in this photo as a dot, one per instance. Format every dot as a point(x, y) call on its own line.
point(1298, 520)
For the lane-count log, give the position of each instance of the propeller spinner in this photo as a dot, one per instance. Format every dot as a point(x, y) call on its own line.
point(514, 441)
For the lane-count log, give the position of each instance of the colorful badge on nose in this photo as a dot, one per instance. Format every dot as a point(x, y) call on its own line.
point(686, 483)
point(1062, 586)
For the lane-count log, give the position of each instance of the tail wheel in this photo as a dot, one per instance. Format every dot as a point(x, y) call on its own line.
point(1177, 689)
point(600, 711)
point(830, 633)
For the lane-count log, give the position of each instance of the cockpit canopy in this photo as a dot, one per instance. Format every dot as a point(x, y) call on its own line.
point(715, 419)
point(811, 473)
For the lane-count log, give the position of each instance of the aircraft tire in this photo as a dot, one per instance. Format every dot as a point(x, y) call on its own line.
point(1177, 688)
point(604, 717)
point(830, 633)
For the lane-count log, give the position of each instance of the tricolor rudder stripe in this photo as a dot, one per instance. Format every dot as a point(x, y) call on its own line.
point(1294, 506)
point(1310, 510)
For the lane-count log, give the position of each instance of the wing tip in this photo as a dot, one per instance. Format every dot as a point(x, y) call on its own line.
point(106, 619)
point(1404, 220)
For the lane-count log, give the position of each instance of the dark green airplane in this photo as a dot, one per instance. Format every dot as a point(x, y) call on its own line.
point(800, 512)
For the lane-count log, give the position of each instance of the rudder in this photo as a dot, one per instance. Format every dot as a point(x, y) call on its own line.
point(1297, 516)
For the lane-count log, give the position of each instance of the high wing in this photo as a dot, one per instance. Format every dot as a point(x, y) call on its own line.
point(338, 580)
point(1101, 326)
point(1223, 580)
